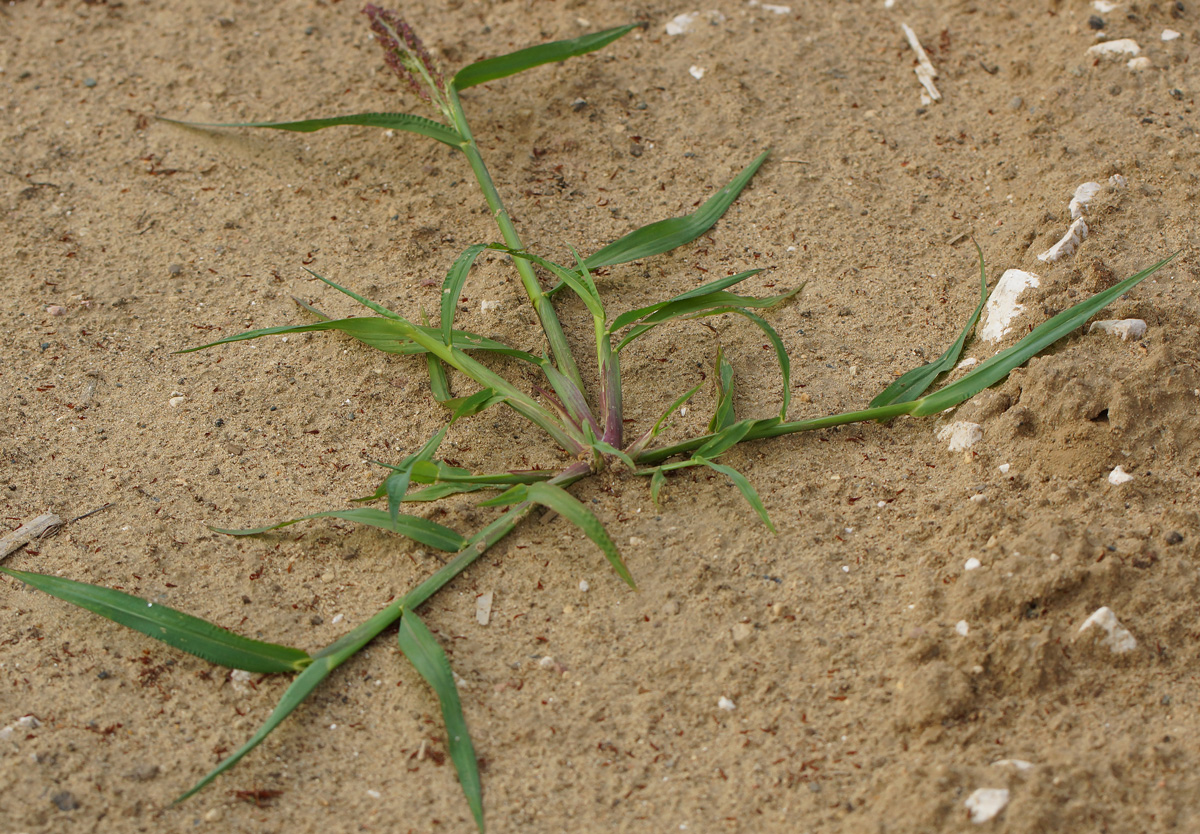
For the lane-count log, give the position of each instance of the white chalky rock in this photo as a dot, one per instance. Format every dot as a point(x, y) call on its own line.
point(175, 402)
point(1117, 181)
point(483, 608)
point(696, 72)
point(1002, 306)
point(960, 435)
point(972, 564)
point(239, 678)
point(1169, 34)
point(1103, 6)
point(1119, 476)
point(726, 704)
point(1117, 636)
point(487, 306)
point(986, 803)
point(962, 628)
point(1125, 328)
point(681, 24)
point(1016, 764)
point(1082, 196)
point(1115, 49)
point(1139, 64)
point(1077, 232)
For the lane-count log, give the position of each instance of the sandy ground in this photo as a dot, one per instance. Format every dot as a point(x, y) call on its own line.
point(876, 683)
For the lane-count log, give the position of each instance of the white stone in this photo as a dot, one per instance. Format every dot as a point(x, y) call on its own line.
point(1082, 196)
point(1117, 181)
point(962, 628)
point(726, 704)
point(986, 803)
point(1076, 233)
point(969, 362)
point(1117, 638)
point(1016, 764)
point(1140, 64)
point(1002, 306)
point(972, 564)
point(696, 72)
point(960, 435)
point(483, 608)
point(487, 306)
point(1004, 467)
point(1125, 328)
point(583, 585)
point(1119, 476)
point(1115, 49)
point(681, 24)
point(1169, 34)
point(175, 402)
point(1103, 6)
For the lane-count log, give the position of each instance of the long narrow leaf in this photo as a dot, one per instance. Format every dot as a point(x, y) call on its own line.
point(452, 288)
point(744, 486)
point(366, 302)
point(503, 66)
point(630, 316)
point(993, 370)
point(703, 305)
point(653, 432)
point(428, 533)
point(175, 628)
point(665, 235)
point(726, 439)
point(781, 354)
point(422, 650)
point(723, 417)
point(572, 509)
point(389, 121)
point(913, 384)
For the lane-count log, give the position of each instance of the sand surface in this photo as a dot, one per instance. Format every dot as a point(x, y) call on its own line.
point(875, 682)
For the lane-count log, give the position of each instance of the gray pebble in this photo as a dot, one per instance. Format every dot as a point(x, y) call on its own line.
point(175, 269)
point(65, 801)
point(578, 104)
point(89, 82)
point(1015, 103)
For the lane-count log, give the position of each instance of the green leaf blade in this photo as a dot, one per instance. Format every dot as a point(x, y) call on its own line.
point(913, 384)
point(665, 235)
point(389, 121)
point(998, 367)
point(744, 486)
point(573, 510)
point(422, 650)
point(421, 530)
point(168, 625)
point(452, 288)
point(502, 66)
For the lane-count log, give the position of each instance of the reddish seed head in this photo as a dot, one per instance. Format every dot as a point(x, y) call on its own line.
point(403, 50)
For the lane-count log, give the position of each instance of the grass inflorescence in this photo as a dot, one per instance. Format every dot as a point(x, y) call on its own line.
point(586, 425)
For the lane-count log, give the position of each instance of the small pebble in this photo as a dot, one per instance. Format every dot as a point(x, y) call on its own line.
point(175, 269)
point(962, 628)
point(986, 803)
point(1018, 764)
point(1096, 22)
point(960, 435)
point(1117, 637)
point(578, 104)
point(1015, 103)
point(213, 815)
point(56, 310)
point(671, 608)
point(175, 402)
point(374, 794)
point(1169, 34)
point(1119, 476)
point(1174, 537)
point(1003, 468)
point(91, 82)
point(483, 608)
point(583, 585)
point(1125, 328)
point(65, 801)
point(337, 618)
point(1115, 49)
point(1140, 64)
point(696, 72)
point(726, 704)
point(972, 564)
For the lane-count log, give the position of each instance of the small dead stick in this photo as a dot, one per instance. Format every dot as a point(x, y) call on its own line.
point(39, 528)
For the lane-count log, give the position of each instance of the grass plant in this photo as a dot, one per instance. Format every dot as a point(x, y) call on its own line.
point(586, 425)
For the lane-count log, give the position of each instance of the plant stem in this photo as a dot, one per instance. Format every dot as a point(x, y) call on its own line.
point(773, 428)
point(541, 303)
